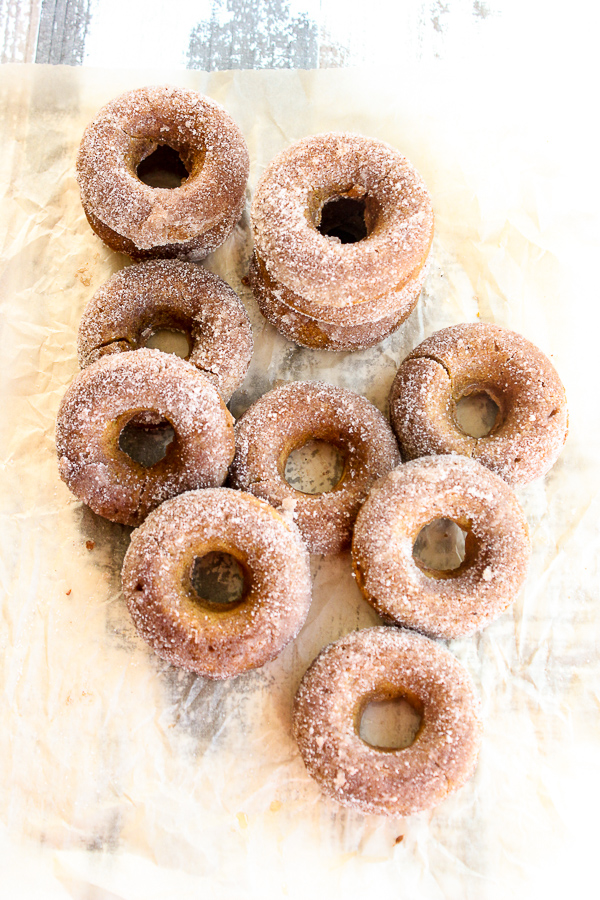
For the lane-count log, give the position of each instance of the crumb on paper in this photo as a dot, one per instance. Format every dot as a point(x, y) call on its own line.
point(68, 592)
point(399, 839)
point(90, 545)
point(84, 275)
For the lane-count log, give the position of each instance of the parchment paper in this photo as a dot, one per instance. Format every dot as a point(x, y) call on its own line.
point(122, 777)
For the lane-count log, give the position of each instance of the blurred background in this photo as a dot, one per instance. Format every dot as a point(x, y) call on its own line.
point(307, 34)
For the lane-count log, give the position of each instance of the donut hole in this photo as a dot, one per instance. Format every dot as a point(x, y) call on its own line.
point(345, 219)
point(146, 438)
point(315, 467)
point(218, 581)
point(170, 340)
point(163, 168)
point(443, 548)
point(390, 723)
point(477, 413)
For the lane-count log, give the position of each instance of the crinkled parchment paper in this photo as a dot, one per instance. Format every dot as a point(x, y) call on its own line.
point(121, 777)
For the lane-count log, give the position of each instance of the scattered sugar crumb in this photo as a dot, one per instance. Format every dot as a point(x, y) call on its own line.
point(340, 779)
point(288, 509)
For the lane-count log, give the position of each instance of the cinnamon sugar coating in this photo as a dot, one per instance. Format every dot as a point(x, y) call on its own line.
point(382, 664)
point(444, 604)
point(287, 211)
point(348, 328)
point(188, 221)
point(287, 418)
point(105, 397)
point(141, 299)
point(532, 423)
point(189, 632)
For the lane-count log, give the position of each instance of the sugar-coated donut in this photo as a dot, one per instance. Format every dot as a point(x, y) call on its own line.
point(287, 418)
point(108, 395)
point(444, 604)
point(212, 640)
point(188, 221)
point(288, 207)
point(373, 322)
point(532, 422)
point(384, 664)
point(141, 299)
point(379, 203)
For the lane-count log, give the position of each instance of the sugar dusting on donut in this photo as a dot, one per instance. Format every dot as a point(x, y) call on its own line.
point(127, 130)
point(287, 418)
point(534, 417)
point(87, 433)
point(345, 329)
point(459, 602)
point(288, 201)
point(217, 644)
point(399, 300)
point(383, 663)
point(164, 293)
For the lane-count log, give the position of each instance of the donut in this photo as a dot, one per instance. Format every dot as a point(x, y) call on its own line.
point(141, 299)
point(292, 198)
point(373, 322)
point(289, 417)
point(384, 664)
point(188, 221)
point(341, 224)
point(146, 387)
point(480, 359)
point(453, 602)
point(217, 640)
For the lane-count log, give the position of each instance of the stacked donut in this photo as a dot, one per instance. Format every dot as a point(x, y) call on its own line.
point(343, 227)
point(143, 220)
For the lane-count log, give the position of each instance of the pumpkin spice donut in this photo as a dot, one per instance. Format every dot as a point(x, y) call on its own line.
point(487, 361)
point(147, 387)
point(377, 664)
point(187, 221)
point(341, 223)
point(215, 639)
point(451, 602)
point(288, 418)
point(139, 300)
